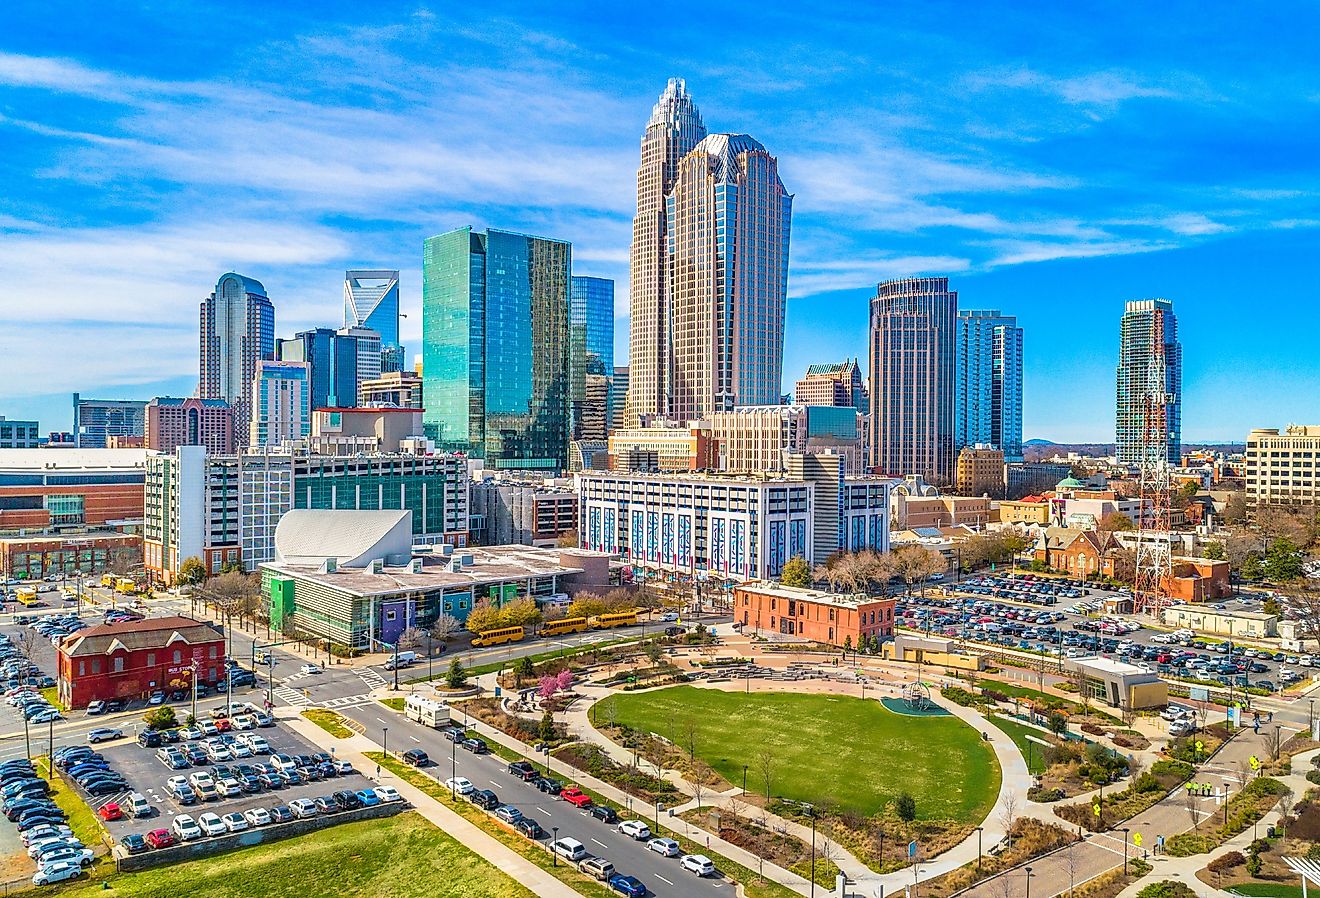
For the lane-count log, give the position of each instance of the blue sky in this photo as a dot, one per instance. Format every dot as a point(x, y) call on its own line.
point(1053, 163)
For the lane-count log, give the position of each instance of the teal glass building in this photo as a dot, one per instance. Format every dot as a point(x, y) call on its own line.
point(495, 347)
point(591, 343)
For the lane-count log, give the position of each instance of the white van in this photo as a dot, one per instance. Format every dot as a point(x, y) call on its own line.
point(570, 849)
point(138, 805)
point(401, 660)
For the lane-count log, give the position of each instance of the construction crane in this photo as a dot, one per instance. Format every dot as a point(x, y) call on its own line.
point(1154, 562)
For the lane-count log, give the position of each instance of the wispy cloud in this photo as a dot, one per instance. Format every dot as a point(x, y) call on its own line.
point(1107, 88)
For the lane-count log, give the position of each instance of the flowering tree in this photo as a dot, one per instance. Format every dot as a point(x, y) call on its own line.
point(548, 685)
point(564, 681)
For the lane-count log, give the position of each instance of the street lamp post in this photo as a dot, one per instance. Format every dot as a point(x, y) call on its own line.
point(812, 811)
point(453, 768)
point(554, 856)
point(385, 741)
point(1125, 830)
point(744, 780)
point(979, 830)
point(1310, 716)
point(1028, 882)
point(657, 816)
point(27, 738)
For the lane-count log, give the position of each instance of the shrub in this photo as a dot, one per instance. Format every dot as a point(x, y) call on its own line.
point(1123, 742)
point(161, 718)
point(1313, 776)
point(994, 695)
point(1043, 794)
point(457, 676)
point(959, 696)
point(1313, 853)
point(1253, 865)
point(1188, 844)
point(1092, 730)
point(1166, 888)
point(905, 806)
point(1147, 782)
point(1180, 770)
point(1226, 862)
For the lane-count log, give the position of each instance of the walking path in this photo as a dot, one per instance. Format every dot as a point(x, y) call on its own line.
point(505, 859)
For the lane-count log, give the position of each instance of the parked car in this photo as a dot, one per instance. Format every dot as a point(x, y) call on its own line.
point(635, 829)
point(56, 873)
point(303, 807)
point(476, 746)
point(234, 823)
point(257, 816)
point(110, 811)
point(569, 849)
point(160, 838)
point(104, 734)
point(597, 868)
point(387, 794)
point(604, 814)
point(531, 829)
point(523, 770)
point(547, 785)
point(484, 799)
point(576, 797)
point(415, 757)
point(134, 843)
point(628, 885)
point(211, 824)
point(186, 828)
point(697, 864)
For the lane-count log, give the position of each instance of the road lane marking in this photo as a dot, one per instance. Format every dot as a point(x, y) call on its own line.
point(662, 879)
point(600, 843)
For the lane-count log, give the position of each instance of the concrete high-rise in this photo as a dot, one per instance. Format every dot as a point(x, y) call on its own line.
point(174, 422)
point(727, 222)
point(838, 384)
point(237, 331)
point(989, 400)
point(371, 300)
point(96, 420)
point(281, 403)
point(1149, 365)
point(674, 129)
point(618, 397)
point(495, 347)
point(913, 378)
point(591, 354)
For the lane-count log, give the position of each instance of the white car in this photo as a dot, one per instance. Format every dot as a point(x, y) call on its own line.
point(243, 722)
point(665, 847)
point(61, 854)
point(303, 807)
point(211, 824)
point(257, 816)
point(310, 669)
point(45, 846)
point(201, 780)
point(56, 873)
point(186, 828)
point(235, 823)
point(697, 864)
point(387, 794)
point(459, 785)
point(283, 762)
point(230, 788)
point(635, 829)
point(344, 768)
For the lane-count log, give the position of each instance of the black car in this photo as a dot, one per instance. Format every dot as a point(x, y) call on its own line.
point(346, 800)
point(36, 820)
point(249, 783)
point(106, 787)
point(325, 804)
point(281, 814)
point(116, 704)
point(523, 770)
point(134, 843)
point(604, 814)
point(530, 828)
point(484, 799)
point(476, 746)
point(548, 786)
point(170, 736)
point(149, 739)
point(415, 757)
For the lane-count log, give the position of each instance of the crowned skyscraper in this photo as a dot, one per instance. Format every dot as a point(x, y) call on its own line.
point(237, 332)
point(371, 299)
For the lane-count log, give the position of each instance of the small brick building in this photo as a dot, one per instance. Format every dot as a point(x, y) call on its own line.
point(774, 610)
point(134, 658)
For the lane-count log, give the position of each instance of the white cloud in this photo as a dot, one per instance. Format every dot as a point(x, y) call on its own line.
point(1104, 88)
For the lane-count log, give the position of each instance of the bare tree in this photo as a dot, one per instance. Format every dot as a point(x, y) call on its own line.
point(231, 595)
point(699, 785)
point(27, 641)
point(1008, 815)
point(690, 732)
point(1193, 807)
point(1286, 798)
point(765, 765)
point(445, 626)
point(411, 637)
point(1243, 773)
point(1070, 864)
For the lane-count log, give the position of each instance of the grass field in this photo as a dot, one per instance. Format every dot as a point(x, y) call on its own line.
point(852, 752)
point(329, 721)
point(398, 857)
point(1018, 732)
point(1266, 890)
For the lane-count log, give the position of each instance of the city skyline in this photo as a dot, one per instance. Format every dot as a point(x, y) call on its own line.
point(1069, 189)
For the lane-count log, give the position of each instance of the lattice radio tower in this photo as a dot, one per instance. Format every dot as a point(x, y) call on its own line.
point(1154, 565)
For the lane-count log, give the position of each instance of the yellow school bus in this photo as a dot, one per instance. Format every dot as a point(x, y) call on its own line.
point(617, 619)
point(108, 580)
point(27, 596)
point(125, 585)
point(564, 625)
point(499, 637)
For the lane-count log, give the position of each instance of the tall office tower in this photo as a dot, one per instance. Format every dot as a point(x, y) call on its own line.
point(618, 397)
point(173, 422)
point(1148, 347)
point(989, 403)
point(371, 299)
point(913, 380)
point(281, 403)
point(96, 420)
point(591, 349)
point(334, 365)
point(495, 347)
point(727, 226)
point(833, 384)
point(238, 330)
point(674, 129)
point(370, 354)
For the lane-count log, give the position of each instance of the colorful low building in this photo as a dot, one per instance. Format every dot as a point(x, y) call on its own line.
point(37, 555)
point(787, 612)
point(132, 659)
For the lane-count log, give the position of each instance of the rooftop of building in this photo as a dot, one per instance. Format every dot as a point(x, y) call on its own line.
point(1209, 609)
point(304, 534)
point(46, 460)
point(180, 400)
point(66, 536)
point(371, 409)
point(151, 632)
point(720, 477)
point(804, 594)
point(489, 565)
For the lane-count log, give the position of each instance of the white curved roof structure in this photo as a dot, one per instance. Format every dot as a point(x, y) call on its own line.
point(352, 538)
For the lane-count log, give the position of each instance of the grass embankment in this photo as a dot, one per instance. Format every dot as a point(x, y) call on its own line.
point(1244, 808)
point(393, 702)
point(1018, 732)
point(398, 857)
point(1266, 890)
point(330, 721)
point(945, 764)
point(82, 819)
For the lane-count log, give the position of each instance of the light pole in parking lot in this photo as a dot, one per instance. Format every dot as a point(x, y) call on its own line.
point(50, 749)
point(27, 739)
point(554, 856)
point(811, 810)
point(453, 768)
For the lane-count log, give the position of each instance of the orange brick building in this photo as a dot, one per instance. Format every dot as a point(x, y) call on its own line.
point(772, 609)
point(41, 489)
point(1198, 580)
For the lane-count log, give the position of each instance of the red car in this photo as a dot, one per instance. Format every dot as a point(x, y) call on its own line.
point(110, 811)
point(160, 838)
point(576, 797)
point(223, 725)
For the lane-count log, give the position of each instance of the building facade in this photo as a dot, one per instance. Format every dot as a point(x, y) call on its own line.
point(591, 354)
point(989, 388)
point(237, 331)
point(332, 361)
point(281, 403)
point(495, 334)
point(757, 438)
point(19, 434)
point(371, 300)
point(396, 388)
point(173, 422)
point(95, 421)
point(980, 471)
point(833, 384)
point(618, 397)
point(1282, 467)
point(659, 448)
point(1034, 477)
point(132, 659)
point(507, 512)
point(1148, 343)
point(913, 378)
point(673, 130)
point(43, 490)
point(777, 612)
point(36, 555)
point(190, 510)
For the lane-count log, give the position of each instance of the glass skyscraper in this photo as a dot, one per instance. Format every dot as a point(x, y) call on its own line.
point(913, 380)
point(495, 347)
point(591, 348)
point(333, 359)
point(237, 332)
point(1148, 343)
point(989, 403)
point(371, 300)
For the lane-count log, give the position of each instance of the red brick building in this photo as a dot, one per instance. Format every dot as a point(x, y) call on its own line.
point(771, 609)
point(135, 658)
point(1078, 553)
point(1199, 580)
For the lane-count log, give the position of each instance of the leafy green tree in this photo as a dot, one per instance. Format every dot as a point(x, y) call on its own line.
point(1189, 489)
point(1283, 561)
point(1058, 724)
point(192, 571)
point(457, 676)
point(524, 668)
point(1253, 567)
point(546, 730)
point(847, 644)
point(1214, 551)
point(796, 572)
point(905, 806)
point(161, 718)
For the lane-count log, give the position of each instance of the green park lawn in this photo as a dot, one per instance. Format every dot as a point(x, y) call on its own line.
point(854, 753)
point(1267, 890)
point(397, 857)
point(1018, 732)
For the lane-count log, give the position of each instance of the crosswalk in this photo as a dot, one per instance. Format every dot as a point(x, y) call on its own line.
point(347, 701)
point(370, 676)
point(291, 696)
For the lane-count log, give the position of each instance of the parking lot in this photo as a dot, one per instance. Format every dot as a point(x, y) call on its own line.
point(147, 774)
